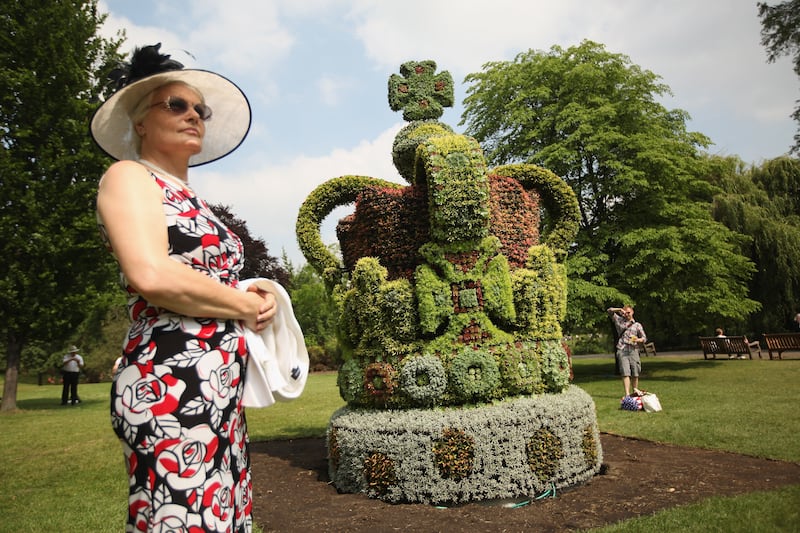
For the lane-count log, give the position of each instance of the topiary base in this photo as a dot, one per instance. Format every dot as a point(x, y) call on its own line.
point(519, 447)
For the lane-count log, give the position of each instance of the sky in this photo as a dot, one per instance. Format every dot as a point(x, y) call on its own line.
point(316, 72)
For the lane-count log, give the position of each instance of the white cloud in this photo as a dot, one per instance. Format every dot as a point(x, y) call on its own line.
point(332, 90)
point(248, 38)
point(459, 37)
point(137, 35)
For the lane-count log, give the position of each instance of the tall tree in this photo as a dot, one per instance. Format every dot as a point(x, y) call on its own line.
point(646, 231)
point(763, 202)
point(54, 269)
point(780, 34)
point(316, 312)
point(258, 263)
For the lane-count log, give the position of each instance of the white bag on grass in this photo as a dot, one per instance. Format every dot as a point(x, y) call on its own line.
point(650, 402)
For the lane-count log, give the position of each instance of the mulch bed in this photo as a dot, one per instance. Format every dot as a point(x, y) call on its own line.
point(292, 491)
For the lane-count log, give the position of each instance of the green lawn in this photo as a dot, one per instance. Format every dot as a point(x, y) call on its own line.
point(62, 468)
point(748, 407)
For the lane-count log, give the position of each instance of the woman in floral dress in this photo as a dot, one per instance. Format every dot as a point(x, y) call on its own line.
point(176, 398)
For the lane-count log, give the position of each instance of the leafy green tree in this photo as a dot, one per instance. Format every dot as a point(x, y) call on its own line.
point(762, 202)
point(780, 34)
point(317, 314)
point(258, 263)
point(647, 235)
point(54, 269)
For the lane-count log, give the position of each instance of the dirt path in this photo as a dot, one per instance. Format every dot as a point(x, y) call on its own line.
point(291, 491)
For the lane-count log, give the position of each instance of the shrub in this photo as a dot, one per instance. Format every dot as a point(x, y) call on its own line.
point(454, 454)
point(379, 473)
point(508, 448)
point(545, 451)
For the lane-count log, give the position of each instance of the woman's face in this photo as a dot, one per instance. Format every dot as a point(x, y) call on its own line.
point(164, 130)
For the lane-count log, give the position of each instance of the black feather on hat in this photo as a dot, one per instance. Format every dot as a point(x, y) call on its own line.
point(145, 61)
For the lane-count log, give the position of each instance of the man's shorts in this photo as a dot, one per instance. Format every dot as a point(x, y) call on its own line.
point(628, 363)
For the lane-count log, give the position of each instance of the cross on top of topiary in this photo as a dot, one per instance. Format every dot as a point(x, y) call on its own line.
point(419, 92)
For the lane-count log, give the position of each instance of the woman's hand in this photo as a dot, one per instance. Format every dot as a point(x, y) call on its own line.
point(266, 306)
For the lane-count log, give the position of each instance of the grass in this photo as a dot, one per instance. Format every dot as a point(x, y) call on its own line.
point(759, 512)
point(747, 407)
point(62, 468)
point(305, 417)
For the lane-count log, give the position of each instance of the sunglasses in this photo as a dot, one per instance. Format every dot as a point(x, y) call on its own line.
point(179, 106)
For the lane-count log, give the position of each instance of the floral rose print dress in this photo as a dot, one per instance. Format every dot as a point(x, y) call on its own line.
point(176, 400)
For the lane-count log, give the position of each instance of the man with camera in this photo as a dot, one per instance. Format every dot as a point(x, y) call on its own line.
point(630, 333)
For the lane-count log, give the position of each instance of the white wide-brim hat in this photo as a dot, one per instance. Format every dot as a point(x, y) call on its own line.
point(113, 131)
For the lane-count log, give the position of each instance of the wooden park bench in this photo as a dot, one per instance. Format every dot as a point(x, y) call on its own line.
point(646, 348)
point(730, 346)
point(782, 342)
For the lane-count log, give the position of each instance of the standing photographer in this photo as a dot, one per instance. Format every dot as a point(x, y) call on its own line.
point(630, 333)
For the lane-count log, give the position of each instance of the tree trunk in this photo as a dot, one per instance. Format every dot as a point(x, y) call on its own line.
point(13, 351)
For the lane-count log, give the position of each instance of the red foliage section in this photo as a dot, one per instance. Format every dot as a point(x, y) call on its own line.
point(391, 224)
point(473, 333)
point(463, 261)
point(514, 218)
